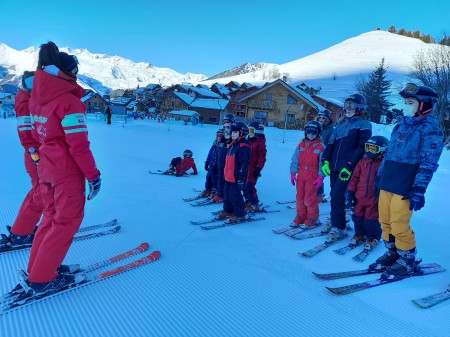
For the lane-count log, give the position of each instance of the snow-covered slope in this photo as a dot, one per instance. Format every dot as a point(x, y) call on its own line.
point(236, 281)
point(100, 72)
point(335, 69)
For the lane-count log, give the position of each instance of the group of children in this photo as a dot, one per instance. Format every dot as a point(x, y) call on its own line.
point(382, 185)
point(234, 164)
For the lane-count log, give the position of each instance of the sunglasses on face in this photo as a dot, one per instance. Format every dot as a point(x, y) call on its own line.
point(321, 117)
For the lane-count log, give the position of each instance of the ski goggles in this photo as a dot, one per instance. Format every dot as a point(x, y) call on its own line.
point(226, 125)
point(374, 148)
point(321, 117)
point(251, 130)
point(350, 105)
point(310, 131)
point(410, 89)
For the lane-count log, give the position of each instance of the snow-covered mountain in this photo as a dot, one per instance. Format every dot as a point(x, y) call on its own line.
point(335, 69)
point(100, 72)
point(243, 69)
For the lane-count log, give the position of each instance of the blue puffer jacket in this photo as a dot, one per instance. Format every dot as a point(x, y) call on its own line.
point(346, 144)
point(412, 155)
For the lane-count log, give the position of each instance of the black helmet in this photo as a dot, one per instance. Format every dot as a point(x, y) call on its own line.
point(27, 80)
point(423, 94)
point(259, 128)
point(358, 100)
point(229, 118)
point(313, 127)
point(241, 127)
point(187, 154)
point(326, 113)
point(376, 146)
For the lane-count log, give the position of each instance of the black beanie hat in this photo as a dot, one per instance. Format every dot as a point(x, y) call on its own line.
point(68, 63)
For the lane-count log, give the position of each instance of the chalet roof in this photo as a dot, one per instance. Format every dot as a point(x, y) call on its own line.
point(152, 86)
point(248, 85)
point(131, 104)
point(121, 100)
point(202, 86)
point(331, 100)
point(200, 91)
point(89, 95)
point(188, 113)
point(205, 103)
point(293, 90)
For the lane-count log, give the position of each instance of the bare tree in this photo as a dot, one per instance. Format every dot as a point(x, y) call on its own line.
point(432, 68)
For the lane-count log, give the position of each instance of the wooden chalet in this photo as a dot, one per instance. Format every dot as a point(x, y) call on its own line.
point(277, 103)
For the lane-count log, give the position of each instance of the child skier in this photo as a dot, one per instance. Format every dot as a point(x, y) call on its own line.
point(307, 175)
point(235, 173)
point(360, 195)
point(343, 151)
point(211, 167)
point(258, 152)
point(403, 177)
point(222, 148)
point(179, 167)
point(324, 118)
point(23, 229)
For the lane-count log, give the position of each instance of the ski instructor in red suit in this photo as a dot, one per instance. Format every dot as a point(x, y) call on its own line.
point(66, 161)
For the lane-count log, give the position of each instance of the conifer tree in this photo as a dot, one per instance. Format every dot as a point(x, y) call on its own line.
point(376, 90)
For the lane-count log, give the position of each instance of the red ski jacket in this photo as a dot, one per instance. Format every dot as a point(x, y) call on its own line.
point(184, 165)
point(59, 124)
point(258, 153)
point(24, 121)
point(362, 180)
point(306, 159)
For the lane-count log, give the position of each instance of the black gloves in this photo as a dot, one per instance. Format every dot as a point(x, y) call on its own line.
point(257, 172)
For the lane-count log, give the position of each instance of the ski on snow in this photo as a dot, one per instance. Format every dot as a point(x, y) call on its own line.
point(106, 229)
point(89, 279)
point(432, 300)
point(351, 273)
point(231, 223)
point(317, 249)
point(420, 271)
point(88, 269)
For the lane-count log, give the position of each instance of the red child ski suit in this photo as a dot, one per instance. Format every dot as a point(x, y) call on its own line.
point(59, 123)
point(31, 210)
point(305, 163)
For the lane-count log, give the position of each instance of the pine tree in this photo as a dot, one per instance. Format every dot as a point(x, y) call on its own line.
point(376, 90)
point(392, 29)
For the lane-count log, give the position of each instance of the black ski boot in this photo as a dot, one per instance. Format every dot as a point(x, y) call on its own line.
point(387, 259)
point(404, 265)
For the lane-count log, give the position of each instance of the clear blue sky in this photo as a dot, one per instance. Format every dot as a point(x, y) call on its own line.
point(208, 37)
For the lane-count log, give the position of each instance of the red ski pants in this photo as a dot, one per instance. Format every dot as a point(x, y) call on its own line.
point(31, 210)
point(307, 200)
point(63, 213)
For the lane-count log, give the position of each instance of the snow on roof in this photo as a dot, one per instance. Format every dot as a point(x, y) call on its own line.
point(88, 96)
point(131, 104)
point(188, 113)
point(331, 100)
point(121, 100)
point(200, 91)
point(299, 92)
point(205, 103)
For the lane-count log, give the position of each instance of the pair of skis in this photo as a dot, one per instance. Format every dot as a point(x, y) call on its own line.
point(161, 172)
point(107, 228)
point(361, 256)
point(19, 298)
point(227, 222)
point(420, 270)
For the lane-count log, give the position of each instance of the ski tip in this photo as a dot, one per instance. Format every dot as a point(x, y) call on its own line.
point(333, 290)
point(420, 305)
point(143, 246)
point(155, 255)
point(318, 275)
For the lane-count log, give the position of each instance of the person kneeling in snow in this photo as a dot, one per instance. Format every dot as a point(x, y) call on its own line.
point(179, 167)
